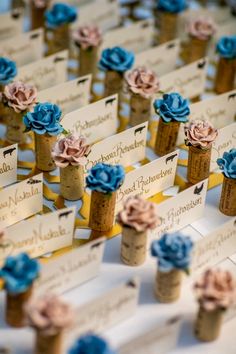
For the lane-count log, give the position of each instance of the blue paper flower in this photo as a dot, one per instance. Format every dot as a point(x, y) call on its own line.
point(8, 71)
point(174, 6)
point(227, 163)
point(173, 252)
point(91, 344)
point(60, 14)
point(44, 119)
point(172, 107)
point(226, 47)
point(116, 59)
point(105, 178)
point(19, 272)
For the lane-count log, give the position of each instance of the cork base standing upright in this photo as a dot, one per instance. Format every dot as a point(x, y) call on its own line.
point(225, 75)
point(168, 26)
point(37, 15)
point(15, 127)
point(46, 344)
point(15, 316)
point(133, 246)
point(208, 324)
point(198, 164)
point(72, 182)
point(113, 83)
point(43, 147)
point(102, 211)
point(168, 285)
point(140, 109)
point(197, 49)
point(166, 138)
point(88, 61)
point(228, 197)
point(60, 38)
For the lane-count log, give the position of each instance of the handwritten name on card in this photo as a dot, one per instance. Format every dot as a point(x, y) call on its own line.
point(21, 200)
point(11, 24)
point(214, 247)
point(24, 48)
point(180, 211)
point(135, 37)
point(125, 148)
point(96, 121)
point(40, 235)
point(8, 165)
point(69, 95)
point(149, 179)
point(161, 59)
point(71, 269)
point(46, 72)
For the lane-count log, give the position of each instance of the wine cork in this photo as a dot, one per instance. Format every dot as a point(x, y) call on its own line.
point(43, 151)
point(37, 15)
point(15, 303)
point(166, 138)
point(168, 26)
point(168, 285)
point(48, 344)
point(133, 246)
point(198, 164)
point(15, 127)
point(102, 210)
point(60, 39)
point(208, 324)
point(72, 182)
point(113, 83)
point(197, 49)
point(225, 75)
point(140, 109)
point(228, 197)
point(88, 61)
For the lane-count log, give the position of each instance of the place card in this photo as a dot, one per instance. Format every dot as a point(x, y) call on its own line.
point(134, 37)
point(161, 59)
point(148, 180)
point(160, 339)
point(96, 121)
point(214, 247)
point(125, 148)
point(8, 165)
point(11, 24)
point(23, 48)
point(71, 269)
point(180, 211)
point(46, 72)
point(69, 95)
point(225, 141)
point(21, 200)
point(40, 234)
point(219, 110)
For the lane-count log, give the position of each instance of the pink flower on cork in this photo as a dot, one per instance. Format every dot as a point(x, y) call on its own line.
point(70, 150)
point(41, 3)
point(215, 289)
point(87, 36)
point(19, 96)
point(143, 82)
point(138, 214)
point(201, 28)
point(200, 133)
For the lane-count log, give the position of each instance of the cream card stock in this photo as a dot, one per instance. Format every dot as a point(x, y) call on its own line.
point(8, 165)
point(11, 24)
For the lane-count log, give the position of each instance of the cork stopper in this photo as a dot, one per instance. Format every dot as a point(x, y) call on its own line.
point(15, 303)
point(133, 246)
point(198, 164)
point(48, 344)
point(88, 61)
point(140, 109)
point(37, 15)
point(228, 197)
point(113, 83)
point(102, 211)
point(225, 75)
point(168, 285)
point(43, 148)
point(208, 324)
point(168, 26)
point(60, 39)
point(72, 182)
point(197, 49)
point(15, 127)
point(166, 138)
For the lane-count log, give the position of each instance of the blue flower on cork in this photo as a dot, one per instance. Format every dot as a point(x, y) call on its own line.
point(174, 6)
point(60, 14)
point(91, 344)
point(226, 47)
point(116, 59)
point(227, 163)
point(172, 107)
point(8, 71)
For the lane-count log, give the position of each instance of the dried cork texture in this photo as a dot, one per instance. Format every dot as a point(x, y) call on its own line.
point(113, 83)
point(198, 164)
point(168, 26)
point(37, 16)
point(133, 246)
point(197, 49)
point(15, 303)
point(168, 285)
point(43, 152)
point(88, 61)
point(102, 211)
point(228, 197)
point(140, 109)
point(208, 324)
point(72, 182)
point(15, 127)
point(48, 344)
point(166, 138)
point(225, 75)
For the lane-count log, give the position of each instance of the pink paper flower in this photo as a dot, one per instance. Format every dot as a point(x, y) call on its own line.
point(201, 28)
point(41, 3)
point(87, 36)
point(200, 133)
point(19, 96)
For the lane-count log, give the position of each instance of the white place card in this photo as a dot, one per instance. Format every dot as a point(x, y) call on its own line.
point(135, 37)
point(23, 48)
point(161, 59)
point(149, 179)
point(21, 200)
point(8, 165)
point(180, 211)
point(11, 24)
point(69, 95)
point(40, 235)
point(71, 269)
point(46, 72)
point(96, 121)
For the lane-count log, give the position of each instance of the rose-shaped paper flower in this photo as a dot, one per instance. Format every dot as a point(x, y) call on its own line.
point(19, 272)
point(87, 36)
point(226, 47)
point(201, 28)
point(215, 289)
point(60, 14)
point(41, 3)
point(143, 82)
point(116, 59)
point(19, 96)
point(172, 107)
point(174, 6)
point(200, 133)
point(44, 119)
point(49, 315)
point(105, 178)
point(227, 163)
point(138, 214)
point(8, 71)
point(70, 151)
point(173, 252)
point(91, 344)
